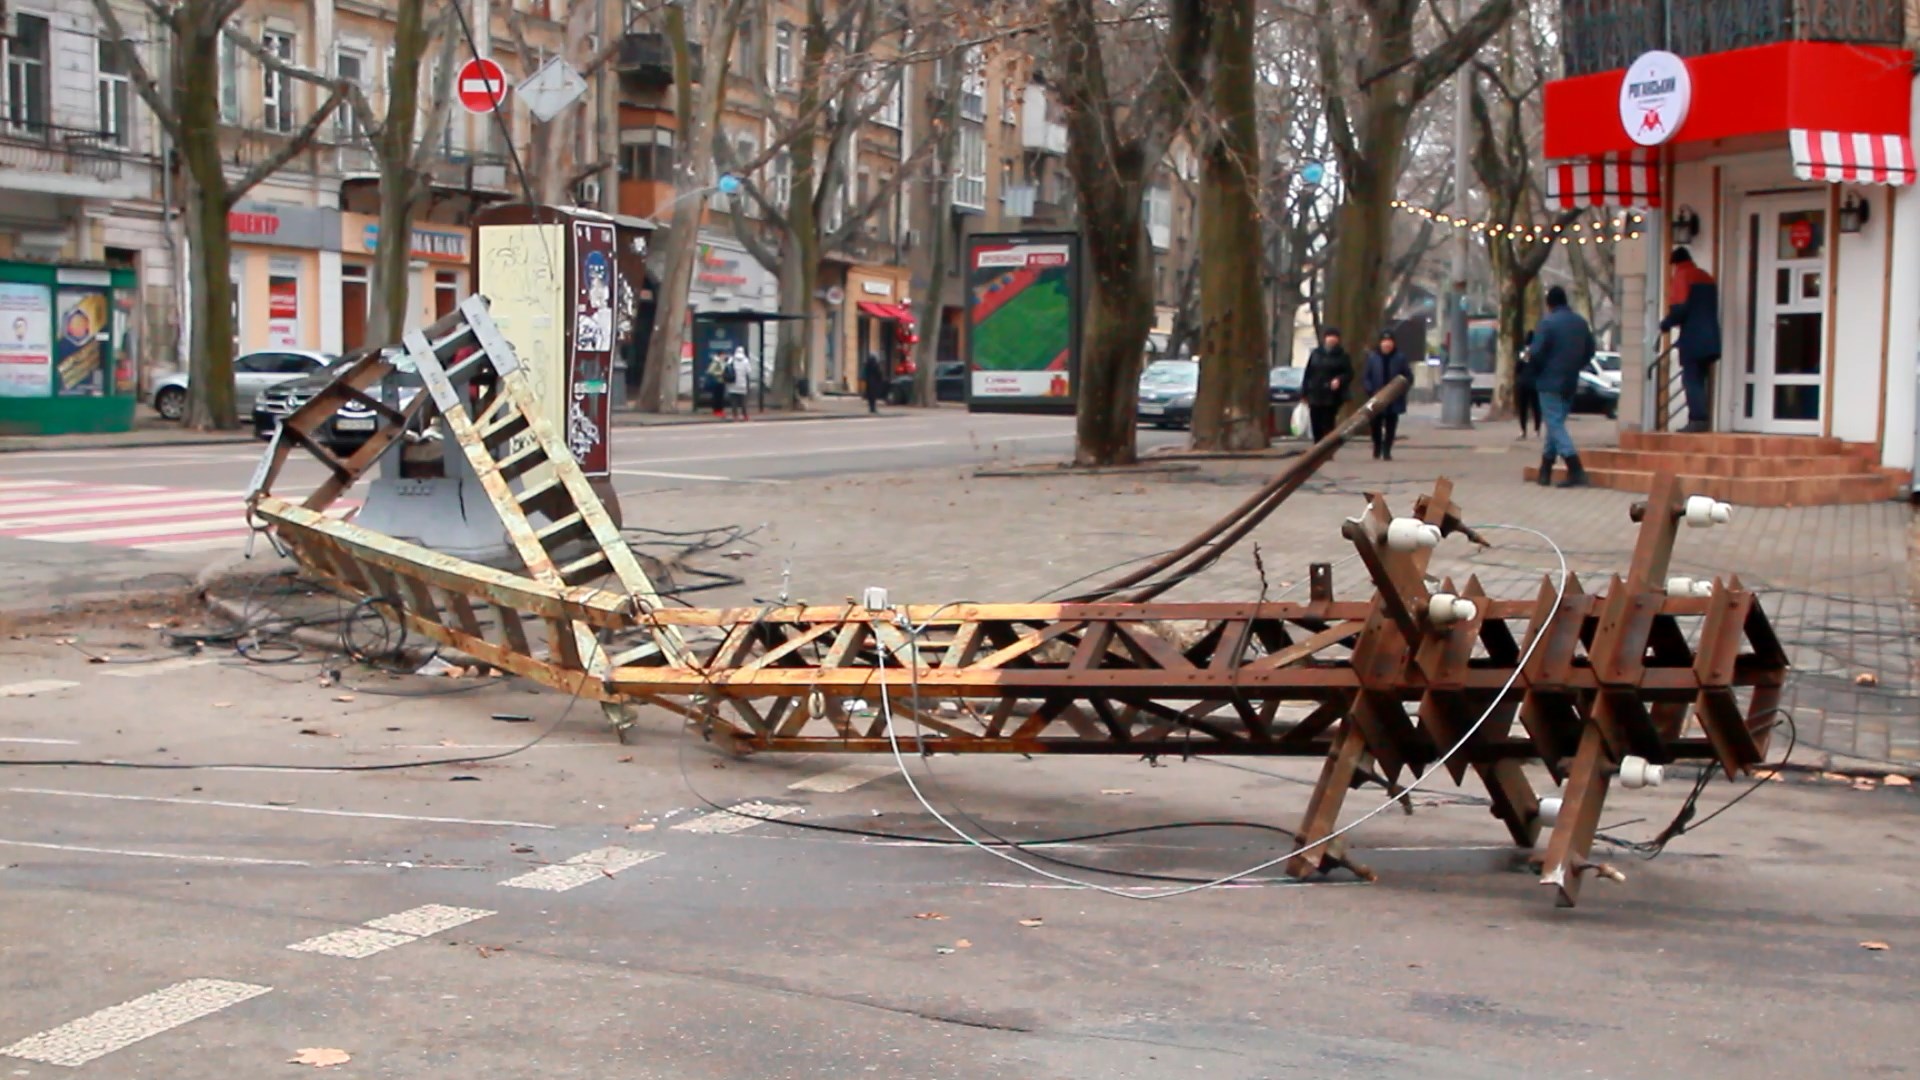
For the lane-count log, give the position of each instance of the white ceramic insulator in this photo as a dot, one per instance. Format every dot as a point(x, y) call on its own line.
point(1702, 511)
point(874, 599)
point(1722, 513)
point(1442, 608)
point(1635, 772)
point(1679, 586)
point(1550, 811)
point(1702, 587)
point(1411, 534)
point(1465, 610)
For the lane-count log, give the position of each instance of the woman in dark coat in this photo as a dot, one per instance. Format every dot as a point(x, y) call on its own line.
point(1385, 363)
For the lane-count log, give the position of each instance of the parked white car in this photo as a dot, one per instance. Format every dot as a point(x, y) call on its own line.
point(253, 373)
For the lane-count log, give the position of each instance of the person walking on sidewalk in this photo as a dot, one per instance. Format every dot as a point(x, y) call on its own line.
point(1324, 383)
point(739, 378)
point(873, 381)
point(1526, 397)
point(1384, 364)
point(1696, 314)
point(1561, 346)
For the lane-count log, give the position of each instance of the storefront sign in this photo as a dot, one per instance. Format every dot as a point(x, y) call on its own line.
point(444, 244)
point(83, 326)
point(1654, 97)
point(727, 278)
point(285, 226)
point(877, 288)
point(283, 313)
point(26, 354)
point(590, 367)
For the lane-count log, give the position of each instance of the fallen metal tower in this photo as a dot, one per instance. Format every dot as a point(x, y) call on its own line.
point(1414, 676)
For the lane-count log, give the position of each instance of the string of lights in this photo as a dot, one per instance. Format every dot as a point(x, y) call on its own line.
point(1624, 227)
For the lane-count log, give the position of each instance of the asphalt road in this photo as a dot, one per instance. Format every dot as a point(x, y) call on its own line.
point(582, 909)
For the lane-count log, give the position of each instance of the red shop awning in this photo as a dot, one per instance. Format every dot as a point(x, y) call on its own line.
point(892, 312)
point(1851, 157)
point(1613, 180)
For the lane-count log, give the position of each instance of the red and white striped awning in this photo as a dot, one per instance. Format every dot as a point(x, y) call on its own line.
point(1632, 180)
point(1846, 157)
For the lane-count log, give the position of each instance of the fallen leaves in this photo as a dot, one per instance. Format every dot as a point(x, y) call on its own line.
point(343, 697)
point(1896, 780)
point(319, 733)
point(488, 952)
point(1874, 946)
point(929, 915)
point(1032, 922)
point(1116, 791)
point(963, 943)
point(1866, 678)
point(641, 826)
point(320, 1057)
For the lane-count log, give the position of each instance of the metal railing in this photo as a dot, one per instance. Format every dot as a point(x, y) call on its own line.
point(54, 148)
point(1604, 35)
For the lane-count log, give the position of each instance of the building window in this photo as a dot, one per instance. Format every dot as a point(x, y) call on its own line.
point(745, 150)
point(446, 292)
point(1160, 217)
point(782, 179)
point(350, 66)
point(229, 81)
point(970, 180)
point(276, 93)
point(783, 57)
point(746, 53)
point(116, 96)
point(26, 53)
point(889, 113)
point(973, 87)
point(647, 154)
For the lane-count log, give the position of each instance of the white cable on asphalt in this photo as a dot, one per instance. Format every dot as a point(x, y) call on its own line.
point(893, 740)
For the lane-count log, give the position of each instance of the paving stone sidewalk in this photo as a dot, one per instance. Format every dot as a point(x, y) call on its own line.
point(1837, 579)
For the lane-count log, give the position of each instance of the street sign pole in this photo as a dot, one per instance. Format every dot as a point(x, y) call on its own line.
point(1456, 383)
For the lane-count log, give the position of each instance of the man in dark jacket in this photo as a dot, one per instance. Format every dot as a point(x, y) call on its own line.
point(1324, 384)
point(1386, 363)
point(1695, 312)
point(1561, 346)
point(873, 381)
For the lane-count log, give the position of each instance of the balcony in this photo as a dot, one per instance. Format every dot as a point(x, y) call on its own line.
point(1038, 130)
point(1605, 35)
point(59, 160)
point(648, 59)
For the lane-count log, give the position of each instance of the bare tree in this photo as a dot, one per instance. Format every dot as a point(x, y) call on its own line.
point(945, 118)
point(403, 145)
point(1229, 412)
point(187, 106)
point(1375, 81)
point(1118, 131)
point(843, 83)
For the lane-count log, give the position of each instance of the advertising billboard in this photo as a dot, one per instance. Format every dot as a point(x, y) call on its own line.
point(1023, 322)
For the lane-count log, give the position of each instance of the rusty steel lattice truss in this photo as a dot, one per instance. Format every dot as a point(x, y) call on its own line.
point(1580, 681)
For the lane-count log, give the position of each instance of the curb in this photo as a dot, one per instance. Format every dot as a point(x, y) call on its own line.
point(1056, 471)
point(14, 444)
point(764, 418)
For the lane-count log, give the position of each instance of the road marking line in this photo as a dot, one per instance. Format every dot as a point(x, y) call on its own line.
point(79, 512)
point(842, 779)
point(355, 943)
point(119, 1026)
point(734, 820)
point(35, 686)
point(581, 869)
point(696, 476)
point(223, 804)
point(39, 742)
point(135, 853)
point(159, 667)
point(390, 931)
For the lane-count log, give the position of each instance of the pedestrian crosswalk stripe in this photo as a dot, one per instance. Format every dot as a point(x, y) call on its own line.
point(143, 516)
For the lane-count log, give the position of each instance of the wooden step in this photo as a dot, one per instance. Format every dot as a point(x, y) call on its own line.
point(1746, 445)
point(1835, 490)
point(1731, 466)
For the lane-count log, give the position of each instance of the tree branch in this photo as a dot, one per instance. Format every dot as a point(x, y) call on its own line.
point(274, 162)
point(349, 92)
point(1435, 67)
point(137, 74)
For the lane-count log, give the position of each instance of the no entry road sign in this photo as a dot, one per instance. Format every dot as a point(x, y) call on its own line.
point(481, 84)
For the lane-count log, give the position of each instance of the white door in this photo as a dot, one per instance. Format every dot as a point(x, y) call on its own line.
point(1779, 369)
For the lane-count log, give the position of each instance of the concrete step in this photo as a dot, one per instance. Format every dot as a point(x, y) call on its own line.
point(1731, 466)
point(1835, 490)
point(1740, 445)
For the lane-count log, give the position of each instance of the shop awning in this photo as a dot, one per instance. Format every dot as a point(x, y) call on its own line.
point(1612, 180)
point(1841, 156)
point(893, 312)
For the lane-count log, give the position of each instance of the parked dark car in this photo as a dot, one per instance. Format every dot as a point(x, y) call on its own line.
point(342, 433)
point(950, 380)
point(1166, 392)
point(1284, 385)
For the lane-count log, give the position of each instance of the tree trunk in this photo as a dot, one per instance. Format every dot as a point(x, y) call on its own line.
point(799, 277)
point(399, 186)
point(1119, 318)
point(1357, 281)
point(210, 397)
point(1510, 319)
point(1230, 411)
point(926, 389)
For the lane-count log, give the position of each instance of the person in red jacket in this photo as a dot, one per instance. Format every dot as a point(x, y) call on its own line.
point(1695, 312)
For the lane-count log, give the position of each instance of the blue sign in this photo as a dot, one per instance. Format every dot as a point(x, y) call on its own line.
point(729, 184)
point(1313, 172)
